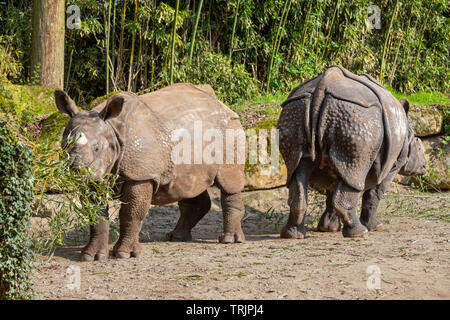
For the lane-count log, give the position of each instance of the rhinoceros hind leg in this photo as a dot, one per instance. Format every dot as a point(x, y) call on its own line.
point(191, 211)
point(345, 202)
point(97, 247)
point(329, 222)
point(233, 212)
point(370, 201)
point(298, 199)
point(136, 199)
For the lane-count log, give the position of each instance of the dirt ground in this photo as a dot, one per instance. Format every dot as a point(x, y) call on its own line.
point(411, 256)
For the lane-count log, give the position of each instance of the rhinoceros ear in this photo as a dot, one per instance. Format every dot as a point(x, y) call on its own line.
point(65, 104)
point(405, 104)
point(113, 108)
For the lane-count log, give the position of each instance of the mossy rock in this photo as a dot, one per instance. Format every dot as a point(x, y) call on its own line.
point(265, 176)
point(53, 128)
point(425, 120)
point(24, 103)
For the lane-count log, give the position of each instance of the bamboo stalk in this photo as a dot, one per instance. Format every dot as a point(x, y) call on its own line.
point(234, 30)
point(282, 27)
point(68, 70)
point(172, 52)
point(108, 26)
point(387, 38)
point(274, 46)
point(113, 37)
point(120, 55)
point(194, 33)
point(394, 65)
point(421, 39)
point(306, 25)
point(327, 40)
point(133, 41)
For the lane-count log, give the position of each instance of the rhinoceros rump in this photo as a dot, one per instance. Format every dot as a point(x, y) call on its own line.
point(131, 136)
point(349, 135)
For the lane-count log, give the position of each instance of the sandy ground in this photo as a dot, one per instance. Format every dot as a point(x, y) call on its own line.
point(409, 259)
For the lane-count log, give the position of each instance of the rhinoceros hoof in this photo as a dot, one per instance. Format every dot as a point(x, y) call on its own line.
point(357, 231)
point(373, 225)
point(122, 255)
point(179, 236)
point(88, 257)
point(329, 226)
point(292, 232)
point(237, 237)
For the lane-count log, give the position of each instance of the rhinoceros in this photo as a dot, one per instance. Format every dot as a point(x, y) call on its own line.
point(347, 134)
point(132, 136)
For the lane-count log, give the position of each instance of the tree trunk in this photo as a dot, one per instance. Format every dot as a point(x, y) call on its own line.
point(48, 24)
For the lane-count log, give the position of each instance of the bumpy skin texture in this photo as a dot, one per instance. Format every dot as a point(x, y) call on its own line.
point(347, 134)
point(134, 137)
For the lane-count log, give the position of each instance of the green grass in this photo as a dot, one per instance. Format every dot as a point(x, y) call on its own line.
point(271, 99)
point(422, 98)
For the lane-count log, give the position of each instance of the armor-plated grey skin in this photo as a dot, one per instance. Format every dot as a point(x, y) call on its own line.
point(347, 134)
point(131, 136)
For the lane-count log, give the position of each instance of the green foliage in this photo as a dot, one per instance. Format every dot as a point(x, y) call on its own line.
point(16, 189)
point(231, 83)
point(82, 198)
point(295, 39)
point(28, 171)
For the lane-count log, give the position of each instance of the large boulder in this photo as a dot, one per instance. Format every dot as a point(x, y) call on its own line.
point(425, 120)
point(259, 177)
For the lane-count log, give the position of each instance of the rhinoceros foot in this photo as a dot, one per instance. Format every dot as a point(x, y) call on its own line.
point(373, 224)
point(237, 237)
point(291, 231)
point(329, 222)
point(125, 250)
point(356, 231)
point(88, 258)
point(179, 236)
point(97, 248)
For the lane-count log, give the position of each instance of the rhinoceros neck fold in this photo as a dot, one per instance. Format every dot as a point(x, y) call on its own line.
point(117, 143)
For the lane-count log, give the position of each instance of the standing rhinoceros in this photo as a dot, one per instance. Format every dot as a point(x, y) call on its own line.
point(133, 136)
point(347, 134)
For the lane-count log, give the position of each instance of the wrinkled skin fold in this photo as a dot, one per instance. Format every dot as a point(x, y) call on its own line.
point(347, 134)
point(132, 136)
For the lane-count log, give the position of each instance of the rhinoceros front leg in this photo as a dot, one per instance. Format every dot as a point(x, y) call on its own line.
point(97, 247)
point(345, 202)
point(329, 222)
point(298, 200)
point(370, 202)
point(191, 211)
point(233, 212)
point(136, 199)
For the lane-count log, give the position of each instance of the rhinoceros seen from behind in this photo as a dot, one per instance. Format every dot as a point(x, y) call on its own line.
point(131, 136)
point(347, 134)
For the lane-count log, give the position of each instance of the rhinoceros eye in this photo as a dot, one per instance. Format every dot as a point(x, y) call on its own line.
point(96, 148)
